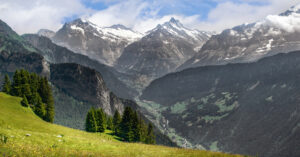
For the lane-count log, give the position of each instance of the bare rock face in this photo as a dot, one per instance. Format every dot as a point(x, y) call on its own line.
point(46, 33)
point(86, 84)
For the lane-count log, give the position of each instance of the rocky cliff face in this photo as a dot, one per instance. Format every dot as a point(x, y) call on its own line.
point(86, 84)
point(250, 108)
point(57, 54)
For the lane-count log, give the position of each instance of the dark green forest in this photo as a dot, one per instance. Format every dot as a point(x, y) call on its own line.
point(129, 127)
point(35, 91)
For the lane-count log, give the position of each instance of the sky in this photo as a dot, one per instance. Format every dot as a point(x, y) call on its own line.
point(28, 16)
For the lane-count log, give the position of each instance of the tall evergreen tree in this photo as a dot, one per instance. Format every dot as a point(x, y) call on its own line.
point(136, 127)
point(100, 120)
point(150, 139)
point(116, 123)
point(126, 125)
point(6, 88)
point(24, 101)
point(90, 123)
point(109, 123)
point(143, 128)
point(39, 108)
point(16, 86)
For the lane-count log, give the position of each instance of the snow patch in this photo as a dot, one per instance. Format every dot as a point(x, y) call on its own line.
point(74, 27)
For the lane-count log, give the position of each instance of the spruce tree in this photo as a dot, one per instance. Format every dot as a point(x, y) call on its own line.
point(16, 86)
point(24, 101)
point(143, 128)
point(90, 123)
point(6, 88)
point(100, 120)
point(49, 116)
point(116, 123)
point(39, 108)
point(150, 139)
point(136, 127)
point(126, 125)
point(109, 123)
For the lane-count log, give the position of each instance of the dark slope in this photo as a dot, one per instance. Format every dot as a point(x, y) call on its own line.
point(250, 108)
point(57, 54)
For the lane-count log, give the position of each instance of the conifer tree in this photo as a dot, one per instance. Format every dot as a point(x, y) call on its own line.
point(6, 88)
point(100, 120)
point(90, 123)
point(150, 139)
point(16, 86)
point(136, 127)
point(39, 108)
point(143, 128)
point(126, 125)
point(49, 116)
point(24, 101)
point(109, 123)
point(116, 123)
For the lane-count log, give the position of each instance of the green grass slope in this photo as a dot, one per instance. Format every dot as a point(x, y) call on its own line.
point(28, 135)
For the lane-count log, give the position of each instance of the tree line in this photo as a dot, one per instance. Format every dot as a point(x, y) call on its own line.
point(35, 91)
point(129, 127)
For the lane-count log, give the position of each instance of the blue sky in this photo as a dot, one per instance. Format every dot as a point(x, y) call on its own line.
point(141, 15)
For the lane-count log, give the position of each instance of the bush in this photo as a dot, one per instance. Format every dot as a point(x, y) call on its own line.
point(3, 139)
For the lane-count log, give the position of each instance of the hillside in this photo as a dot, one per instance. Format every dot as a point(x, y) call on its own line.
point(254, 105)
point(30, 136)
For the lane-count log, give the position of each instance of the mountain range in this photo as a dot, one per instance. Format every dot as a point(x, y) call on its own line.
point(235, 91)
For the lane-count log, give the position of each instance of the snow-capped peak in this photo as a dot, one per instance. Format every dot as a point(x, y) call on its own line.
point(113, 33)
point(176, 28)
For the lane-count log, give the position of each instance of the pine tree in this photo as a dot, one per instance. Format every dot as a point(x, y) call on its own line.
point(16, 86)
point(90, 123)
point(109, 123)
point(116, 123)
point(143, 128)
point(126, 125)
point(136, 127)
point(39, 108)
point(150, 139)
point(100, 120)
point(49, 117)
point(24, 101)
point(6, 88)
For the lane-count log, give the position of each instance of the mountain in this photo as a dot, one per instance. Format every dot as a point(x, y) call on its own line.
point(46, 33)
point(250, 42)
point(76, 88)
point(247, 108)
point(162, 50)
point(57, 54)
point(104, 44)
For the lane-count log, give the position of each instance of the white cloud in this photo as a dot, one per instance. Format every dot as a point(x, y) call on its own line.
point(228, 14)
point(31, 15)
point(142, 15)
